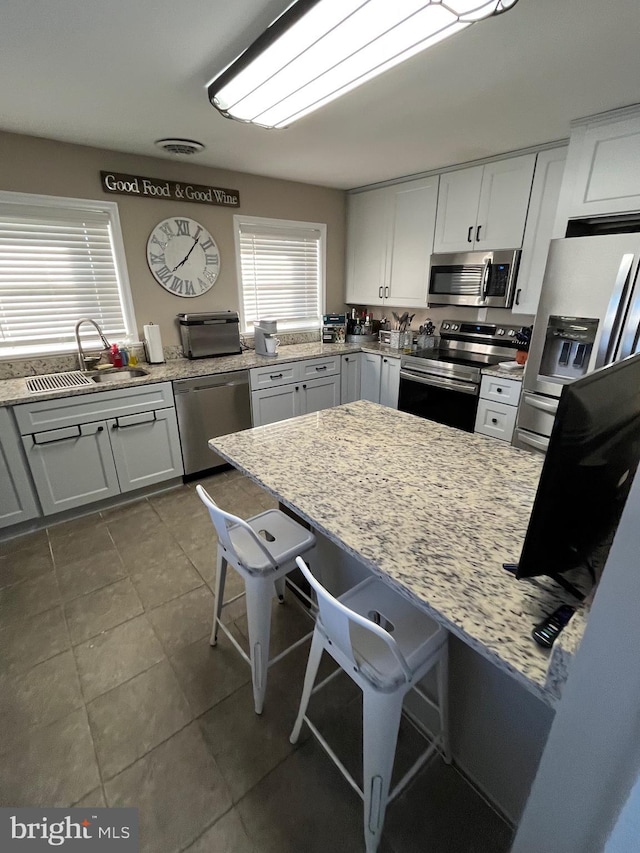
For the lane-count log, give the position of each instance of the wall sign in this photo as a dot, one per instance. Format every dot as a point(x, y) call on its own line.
point(119, 184)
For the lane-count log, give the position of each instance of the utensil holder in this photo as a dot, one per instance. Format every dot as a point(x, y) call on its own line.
point(396, 339)
point(427, 342)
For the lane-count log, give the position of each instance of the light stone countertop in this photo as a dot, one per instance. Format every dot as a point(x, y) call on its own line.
point(15, 391)
point(436, 512)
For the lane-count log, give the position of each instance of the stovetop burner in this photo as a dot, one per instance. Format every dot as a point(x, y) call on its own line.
point(471, 359)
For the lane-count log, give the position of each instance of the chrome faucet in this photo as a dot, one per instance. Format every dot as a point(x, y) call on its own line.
point(82, 360)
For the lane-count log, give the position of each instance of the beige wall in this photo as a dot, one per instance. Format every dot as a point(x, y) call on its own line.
point(34, 165)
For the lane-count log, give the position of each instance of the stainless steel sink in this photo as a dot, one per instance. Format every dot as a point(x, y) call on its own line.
point(118, 374)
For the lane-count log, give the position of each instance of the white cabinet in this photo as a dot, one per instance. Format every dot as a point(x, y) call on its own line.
point(295, 388)
point(498, 407)
point(390, 240)
point(17, 500)
point(602, 175)
point(87, 448)
point(539, 229)
point(350, 378)
point(484, 207)
point(380, 379)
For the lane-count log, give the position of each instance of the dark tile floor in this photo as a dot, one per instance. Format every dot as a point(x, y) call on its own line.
point(111, 695)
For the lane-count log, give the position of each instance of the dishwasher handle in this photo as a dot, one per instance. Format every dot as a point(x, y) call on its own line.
point(207, 383)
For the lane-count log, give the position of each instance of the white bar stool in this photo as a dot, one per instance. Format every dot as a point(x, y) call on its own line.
point(262, 550)
point(386, 645)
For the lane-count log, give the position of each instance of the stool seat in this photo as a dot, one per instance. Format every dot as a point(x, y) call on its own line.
point(417, 636)
point(283, 538)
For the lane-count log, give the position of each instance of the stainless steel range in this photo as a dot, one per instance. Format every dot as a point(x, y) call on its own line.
point(443, 385)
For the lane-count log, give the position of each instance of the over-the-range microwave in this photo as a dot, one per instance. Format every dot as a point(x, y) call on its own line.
point(474, 278)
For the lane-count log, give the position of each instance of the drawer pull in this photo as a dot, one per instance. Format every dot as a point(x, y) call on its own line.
point(494, 420)
point(324, 367)
point(62, 435)
point(275, 376)
point(499, 390)
point(134, 420)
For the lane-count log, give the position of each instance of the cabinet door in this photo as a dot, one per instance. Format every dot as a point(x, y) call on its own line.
point(367, 236)
point(390, 382)
point(457, 210)
point(607, 177)
point(350, 378)
point(413, 216)
point(146, 448)
point(539, 229)
point(370, 370)
point(17, 500)
point(72, 466)
point(275, 404)
point(504, 201)
point(318, 394)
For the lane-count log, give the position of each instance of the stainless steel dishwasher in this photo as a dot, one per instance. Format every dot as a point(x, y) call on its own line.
point(208, 406)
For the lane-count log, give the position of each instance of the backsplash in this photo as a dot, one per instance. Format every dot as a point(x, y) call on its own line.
point(69, 361)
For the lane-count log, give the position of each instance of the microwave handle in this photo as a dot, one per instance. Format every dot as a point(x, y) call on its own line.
point(485, 278)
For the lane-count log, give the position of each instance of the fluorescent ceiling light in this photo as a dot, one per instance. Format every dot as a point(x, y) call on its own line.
point(318, 50)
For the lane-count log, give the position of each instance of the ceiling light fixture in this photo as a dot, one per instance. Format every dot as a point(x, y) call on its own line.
point(318, 50)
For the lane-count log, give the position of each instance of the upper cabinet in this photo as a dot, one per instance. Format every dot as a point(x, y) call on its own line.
point(603, 167)
point(390, 240)
point(484, 207)
point(539, 229)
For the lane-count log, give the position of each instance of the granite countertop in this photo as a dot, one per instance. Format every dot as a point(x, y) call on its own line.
point(503, 373)
point(436, 511)
point(15, 391)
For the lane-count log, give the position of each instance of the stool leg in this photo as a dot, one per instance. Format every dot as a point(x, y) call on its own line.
point(259, 595)
point(280, 586)
point(381, 723)
point(443, 701)
point(221, 575)
point(315, 653)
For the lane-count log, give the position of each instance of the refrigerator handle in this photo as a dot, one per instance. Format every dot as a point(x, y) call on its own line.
point(631, 334)
point(616, 310)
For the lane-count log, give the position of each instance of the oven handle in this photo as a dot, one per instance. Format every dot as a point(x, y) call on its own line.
point(450, 384)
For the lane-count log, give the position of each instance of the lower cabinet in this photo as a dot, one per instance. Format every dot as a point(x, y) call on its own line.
point(294, 388)
point(86, 449)
point(17, 500)
point(498, 407)
point(380, 379)
point(350, 377)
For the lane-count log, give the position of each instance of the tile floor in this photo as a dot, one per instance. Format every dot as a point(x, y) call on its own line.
point(111, 695)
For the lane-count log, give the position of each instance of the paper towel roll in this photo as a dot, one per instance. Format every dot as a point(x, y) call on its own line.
point(153, 344)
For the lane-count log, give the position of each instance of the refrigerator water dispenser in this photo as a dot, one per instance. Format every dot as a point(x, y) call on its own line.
point(568, 345)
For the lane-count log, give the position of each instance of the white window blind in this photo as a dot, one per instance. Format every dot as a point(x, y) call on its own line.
point(58, 264)
point(282, 272)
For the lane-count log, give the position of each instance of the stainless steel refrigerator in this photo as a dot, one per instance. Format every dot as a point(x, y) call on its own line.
point(589, 316)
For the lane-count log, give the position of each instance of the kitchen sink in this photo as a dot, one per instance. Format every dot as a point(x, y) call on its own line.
point(117, 374)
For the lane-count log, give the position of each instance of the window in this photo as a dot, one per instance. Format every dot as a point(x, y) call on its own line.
point(281, 272)
point(60, 259)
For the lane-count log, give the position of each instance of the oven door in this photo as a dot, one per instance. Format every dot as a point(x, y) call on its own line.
point(446, 401)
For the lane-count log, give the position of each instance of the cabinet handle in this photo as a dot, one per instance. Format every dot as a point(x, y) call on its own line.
point(385, 360)
point(499, 390)
point(297, 389)
point(324, 367)
point(518, 292)
point(469, 233)
point(478, 232)
point(380, 292)
point(386, 293)
point(134, 420)
point(346, 358)
point(99, 429)
point(68, 433)
point(304, 386)
point(494, 420)
point(275, 376)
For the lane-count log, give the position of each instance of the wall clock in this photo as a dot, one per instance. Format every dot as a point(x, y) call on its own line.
point(183, 256)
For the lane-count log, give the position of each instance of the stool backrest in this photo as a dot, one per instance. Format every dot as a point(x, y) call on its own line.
point(335, 619)
point(223, 521)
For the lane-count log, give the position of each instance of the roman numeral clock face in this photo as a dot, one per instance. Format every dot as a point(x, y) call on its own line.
point(183, 257)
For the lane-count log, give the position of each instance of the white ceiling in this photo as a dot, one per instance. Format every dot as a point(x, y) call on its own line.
point(120, 74)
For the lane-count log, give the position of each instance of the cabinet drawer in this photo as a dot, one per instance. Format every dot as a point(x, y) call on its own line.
point(496, 419)
point(86, 408)
point(500, 390)
point(273, 375)
point(318, 367)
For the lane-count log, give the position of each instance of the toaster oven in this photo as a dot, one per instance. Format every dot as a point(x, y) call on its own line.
point(210, 333)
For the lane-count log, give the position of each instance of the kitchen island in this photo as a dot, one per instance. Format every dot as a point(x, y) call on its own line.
point(432, 510)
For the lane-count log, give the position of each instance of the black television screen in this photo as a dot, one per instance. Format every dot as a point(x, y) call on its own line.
point(592, 457)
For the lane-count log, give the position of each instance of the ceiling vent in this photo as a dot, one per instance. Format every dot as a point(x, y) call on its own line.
point(180, 146)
